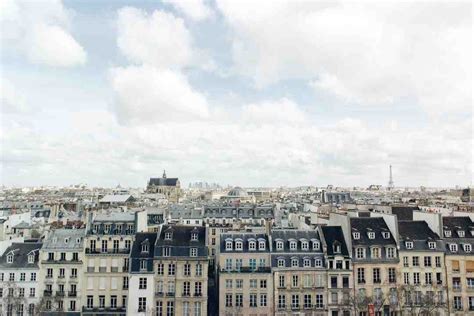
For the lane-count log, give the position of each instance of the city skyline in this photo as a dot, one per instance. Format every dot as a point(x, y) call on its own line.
point(297, 93)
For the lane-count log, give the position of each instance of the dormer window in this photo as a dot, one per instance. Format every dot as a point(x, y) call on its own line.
point(96, 227)
point(294, 262)
point(78, 240)
point(279, 245)
point(336, 248)
point(467, 247)
point(304, 245)
point(409, 244)
point(10, 258)
point(386, 235)
point(194, 236)
point(431, 245)
point(228, 245)
point(447, 233)
point(193, 252)
point(292, 245)
point(356, 236)
point(453, 247)
point(107, 228)
point(371, 235)
point(315, 245)
point(375, 252)
point(66, 240)
point(145, 247)
point(252, 245)
point(238, 245)
point(461, 233)
point(261, 245)
point(168, 235)
point(142, 264)
point(31, 258)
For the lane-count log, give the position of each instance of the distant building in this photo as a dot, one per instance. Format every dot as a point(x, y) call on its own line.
point(169, 187)
point(116, 200)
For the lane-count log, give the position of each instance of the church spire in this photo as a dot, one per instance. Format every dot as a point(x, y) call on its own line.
point(164, 174)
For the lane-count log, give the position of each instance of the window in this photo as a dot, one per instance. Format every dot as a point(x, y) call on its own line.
point(197, 288)
point(390, 252)
point(467, 247)
point(198, 269)
point(228, 245)
point(194, 236)
point(281, 301)
point(447, 233)
point(406, 278)
point(375, 252)
point(168, 235)
point(142, 264)
point(431, 245)
point(31, 258)
point(166, 251)
point(405, 262)
point(144, 247)
point(239, 300)
point(461, 233)
point(252, 245)
point(386, 235)
point(279, 245)
point(253, 300)
point(142, 283)
point(315, 245)
point(193, 252)
point(304, 245)
point(428, 278)
point(253, 283)
point(438, 262)
point(294, 281)
point(263, 284)
point(391, 275)
point(292, 245)
point(306, 263)
point(228, 283)
point(360, 275)
point(261, 245)
point(416, 278)
point(171, 269)
point(409, 244)
point(253, 264)
point(228, 300)
point(416, 262)
point(294, 262)
point(113, 301)
point(239, 283)
point(10, 258)
point(356, 236)
point(281, 263)
point(371, 235)
point(187, 288)
point(281, 281)
point(187, 269)
point(160, 269)
point(453, 247)
point(319, 301)
point(263, 300)
point(22, 276)
point(90, 301)
point(295, 301)
point(125, 282)
point(318, 263)
point(457, 303)
point(376, 275)
point(32, 292)
point(142, 304)
point(427, 261)
point(238, 245)
point(360, 253)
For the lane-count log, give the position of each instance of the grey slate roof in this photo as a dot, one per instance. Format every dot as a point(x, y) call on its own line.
point(420, 234)
point(404, 212)
point(245, 238)
point(137, 255)
point(181, 242)
point(163, 182)
point(65, 239)
point(333, 235)
point(370, 224)
point(286, 235)
point(20, 258)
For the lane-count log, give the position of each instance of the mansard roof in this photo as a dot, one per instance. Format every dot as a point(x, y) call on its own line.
point(333, 235)
point(365, 225)
point(21, 251)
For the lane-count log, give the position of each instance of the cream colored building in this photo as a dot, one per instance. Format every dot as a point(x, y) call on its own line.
point(245, 281)
point(106, 261)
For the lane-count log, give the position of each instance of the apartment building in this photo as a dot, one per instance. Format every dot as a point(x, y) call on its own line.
point(299, 273)
point(142, 279)
point(339, 270)
point(180, 271)
point(421, 277)
point(245, 284)
point(61, 262)
point(108, 241)
point(19, 279)
point(375, 264)
point(458, 235)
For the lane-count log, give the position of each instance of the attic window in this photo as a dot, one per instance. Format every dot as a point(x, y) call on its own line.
point(431, 245)
point(356, 236)
point(386, 235)
point(168, 235)
point(66, 240)
point(461, 233)
point(10, 258)
point(238, 245)
point(144, 247)
point(337, 248)
point(142, 264)
point(371, 235)
point(78, 240)
point(31, 258)
point(304, 245)
point(194, 236)
point(252, 245)
point(315, 245)
point(453, 247)
point(467, 247)
point(279, 245)
point(261, 245)
point(228, 245)
point(292, 245)
point(447, 233)
point(409, 244)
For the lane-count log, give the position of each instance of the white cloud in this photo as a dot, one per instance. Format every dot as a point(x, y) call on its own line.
point(196, 10)
point(283, 111)
point(146, 95)
point(159, 39)
point(11, 100)
point(40, 31)
point(362, 52)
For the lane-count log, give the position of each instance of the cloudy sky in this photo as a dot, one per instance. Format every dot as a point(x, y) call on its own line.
point(236, 92)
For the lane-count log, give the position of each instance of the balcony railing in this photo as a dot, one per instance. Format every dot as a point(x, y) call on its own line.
point(107, 251)
point(247, 270)
point(72, 293)
point(48, 292)
point(60, 293)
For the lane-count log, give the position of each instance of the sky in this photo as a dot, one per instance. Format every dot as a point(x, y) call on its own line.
point(268, 93)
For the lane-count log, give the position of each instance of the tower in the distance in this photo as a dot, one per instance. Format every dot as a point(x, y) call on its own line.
point(391, 186)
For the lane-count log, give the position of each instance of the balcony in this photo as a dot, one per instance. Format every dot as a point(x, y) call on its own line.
point(102, 269)
point(198, 294)
point(295, 306)
point(170, 294)
point(72, 293)
point(90, 269)
point(124, 251)
point(60, 293)
point(159, 293)
point(247, 270)
point(186, 294)
point(61, 276)
point(48, 293)
point(114, 269)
